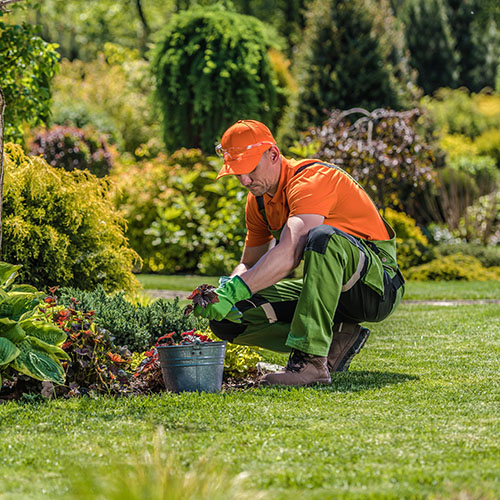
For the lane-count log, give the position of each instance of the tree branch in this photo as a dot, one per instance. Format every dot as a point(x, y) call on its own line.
point(4, 3)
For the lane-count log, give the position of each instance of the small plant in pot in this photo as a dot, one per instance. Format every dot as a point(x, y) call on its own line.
point(189, 362)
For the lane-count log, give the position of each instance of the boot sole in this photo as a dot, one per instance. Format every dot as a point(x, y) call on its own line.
point(355, 348)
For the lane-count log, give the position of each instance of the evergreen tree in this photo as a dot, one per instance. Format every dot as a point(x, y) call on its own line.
point(341, 63)
point(431, 44)
point(477, 41)
point(212, 68)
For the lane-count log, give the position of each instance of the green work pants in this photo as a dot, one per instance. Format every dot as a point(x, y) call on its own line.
point(299, 313)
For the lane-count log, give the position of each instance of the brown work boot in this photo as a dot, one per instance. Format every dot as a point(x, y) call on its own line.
point(302, 369)
point(347, 341)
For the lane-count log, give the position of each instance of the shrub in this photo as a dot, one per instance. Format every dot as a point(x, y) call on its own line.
point(341, 63)
point(28, 64)
point(453, 267)
point(381, 150)
point(481, 221)
point(180, 219)
point(412, 246)
point(135, 326)
point(62, 227)
point(212, 68)
point(72, 148)
point(489, 256)
point(474, 24)
point(461, 112)
point(488, 144)
point(110, 94)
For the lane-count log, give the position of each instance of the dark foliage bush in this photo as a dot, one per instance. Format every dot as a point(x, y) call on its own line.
point(62, 227)
point(381, 150)
point(431, 43)
point(212, 68)
point(137, 327)
point(72, 148)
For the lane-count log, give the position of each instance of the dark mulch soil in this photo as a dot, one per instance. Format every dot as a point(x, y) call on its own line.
point(26, 388)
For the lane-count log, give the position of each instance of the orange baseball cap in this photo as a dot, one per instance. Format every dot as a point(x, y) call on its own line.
point(242, 146)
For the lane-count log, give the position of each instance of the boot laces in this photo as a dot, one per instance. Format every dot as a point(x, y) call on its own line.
point(297, 361)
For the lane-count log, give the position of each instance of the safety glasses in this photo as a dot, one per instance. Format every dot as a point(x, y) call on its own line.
point(237, 152)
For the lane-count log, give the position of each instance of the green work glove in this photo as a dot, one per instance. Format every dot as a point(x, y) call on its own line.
point(223, 279)
point(234, 315)
point(229, 293)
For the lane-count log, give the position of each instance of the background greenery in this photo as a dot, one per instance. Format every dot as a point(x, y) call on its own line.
point(137, 83)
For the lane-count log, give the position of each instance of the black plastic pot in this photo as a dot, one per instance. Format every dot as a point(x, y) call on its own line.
point(193, 367)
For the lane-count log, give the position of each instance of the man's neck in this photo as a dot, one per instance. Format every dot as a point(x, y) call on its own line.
point(273, 190)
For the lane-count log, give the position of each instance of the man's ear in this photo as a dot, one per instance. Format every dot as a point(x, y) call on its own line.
point(274, 153)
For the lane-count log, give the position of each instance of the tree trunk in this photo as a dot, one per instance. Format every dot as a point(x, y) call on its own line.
point(145, 26)
point(2, 109)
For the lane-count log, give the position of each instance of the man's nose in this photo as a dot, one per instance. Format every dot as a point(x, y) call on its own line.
point(245, 180)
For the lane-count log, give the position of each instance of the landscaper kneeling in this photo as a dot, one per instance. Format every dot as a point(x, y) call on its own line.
point(315, 211)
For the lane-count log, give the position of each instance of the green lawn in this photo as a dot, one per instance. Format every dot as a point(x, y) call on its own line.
point(416, 417)
point(174, 282)
point(440, 290)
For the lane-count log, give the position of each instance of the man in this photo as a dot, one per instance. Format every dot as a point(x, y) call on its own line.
point(303, 210)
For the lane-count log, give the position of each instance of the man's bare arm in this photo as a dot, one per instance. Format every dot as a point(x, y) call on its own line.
point(250, 256)
point(279, 261)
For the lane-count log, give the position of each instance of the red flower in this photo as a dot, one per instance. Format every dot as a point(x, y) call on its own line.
point(167, 336)
point(194, 293)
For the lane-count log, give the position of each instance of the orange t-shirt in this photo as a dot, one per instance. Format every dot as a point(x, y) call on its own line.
point(320, 190)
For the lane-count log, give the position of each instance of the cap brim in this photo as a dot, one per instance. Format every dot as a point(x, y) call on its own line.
point(243, 165)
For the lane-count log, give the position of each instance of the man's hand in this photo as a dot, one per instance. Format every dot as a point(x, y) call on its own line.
point(229, 293)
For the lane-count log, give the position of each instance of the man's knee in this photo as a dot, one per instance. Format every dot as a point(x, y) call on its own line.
point(226, 330)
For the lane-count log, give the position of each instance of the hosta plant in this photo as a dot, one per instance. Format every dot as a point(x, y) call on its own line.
point(28, 344)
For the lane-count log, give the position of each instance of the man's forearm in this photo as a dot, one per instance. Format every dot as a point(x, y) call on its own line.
point(240, 269)
point(275, 265)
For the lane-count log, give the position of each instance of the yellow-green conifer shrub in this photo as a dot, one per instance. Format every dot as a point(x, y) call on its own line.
point(453, 267)
point(62, 227)
point(413, 247)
